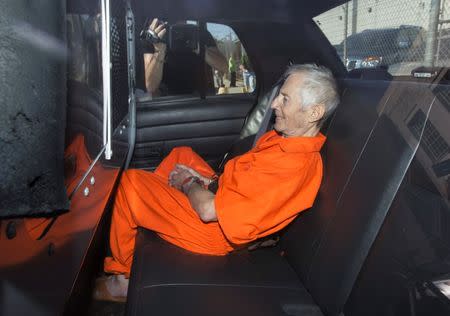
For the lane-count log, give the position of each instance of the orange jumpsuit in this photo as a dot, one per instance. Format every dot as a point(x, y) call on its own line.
point(36, 225)
point(259, 193)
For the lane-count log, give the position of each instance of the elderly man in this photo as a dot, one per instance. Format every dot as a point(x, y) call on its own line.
point(258, 193)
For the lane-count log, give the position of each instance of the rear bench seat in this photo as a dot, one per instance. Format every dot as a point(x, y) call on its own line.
point(313, 269)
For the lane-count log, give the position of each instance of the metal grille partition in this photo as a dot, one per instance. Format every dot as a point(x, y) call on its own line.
point(119, 67)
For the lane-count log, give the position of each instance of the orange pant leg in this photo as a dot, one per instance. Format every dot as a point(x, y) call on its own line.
point(145, 199)
point(185, 156)
point(77, 149)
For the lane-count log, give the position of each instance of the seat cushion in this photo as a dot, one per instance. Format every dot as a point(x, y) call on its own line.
point(243, 283)
point(222, 300)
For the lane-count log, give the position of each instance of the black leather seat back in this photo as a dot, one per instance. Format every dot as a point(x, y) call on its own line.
point(346, 136)
point(412, 246)
point(367, 155)
point(256, 116)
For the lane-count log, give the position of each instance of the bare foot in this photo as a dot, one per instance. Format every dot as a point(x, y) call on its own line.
point(111, 288)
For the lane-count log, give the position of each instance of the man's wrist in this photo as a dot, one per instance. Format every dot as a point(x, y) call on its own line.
point(208, 181)
point(188, 182)
point(215, 177)
point(160, 52)
point(154, 48)
point(160, 47)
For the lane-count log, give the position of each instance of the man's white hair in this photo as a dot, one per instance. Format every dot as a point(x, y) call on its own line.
point(318, 87)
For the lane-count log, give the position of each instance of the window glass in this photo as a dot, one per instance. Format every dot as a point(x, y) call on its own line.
point(227, 62)
point(84, 97)
point(173, 63)
point(171, 57)
point(398, 34)
point(84, 42)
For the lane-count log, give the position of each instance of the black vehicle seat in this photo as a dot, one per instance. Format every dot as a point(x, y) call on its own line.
point(327, 248)
point(314, 267)
point(211, 285)
point(160, 266)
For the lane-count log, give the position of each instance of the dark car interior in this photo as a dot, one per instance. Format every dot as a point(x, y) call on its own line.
point(375, 242)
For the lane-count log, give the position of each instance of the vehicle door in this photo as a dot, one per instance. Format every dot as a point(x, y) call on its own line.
point(199, 103)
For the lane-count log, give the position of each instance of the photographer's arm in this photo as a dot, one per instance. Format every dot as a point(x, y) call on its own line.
point(154, 61)
point(154, 65)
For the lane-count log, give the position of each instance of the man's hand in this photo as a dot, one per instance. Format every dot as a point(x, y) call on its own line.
point(158, 30)
point(177, 177)
point(153, 62)
point(194, 173)
point(202, 200)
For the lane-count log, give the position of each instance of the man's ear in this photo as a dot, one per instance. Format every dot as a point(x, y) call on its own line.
point(317, 112)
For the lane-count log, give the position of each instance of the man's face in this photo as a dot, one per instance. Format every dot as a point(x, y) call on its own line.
point(291, 118)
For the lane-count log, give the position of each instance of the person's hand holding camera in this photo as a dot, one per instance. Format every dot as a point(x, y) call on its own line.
point(154, 54)
point(154, 36)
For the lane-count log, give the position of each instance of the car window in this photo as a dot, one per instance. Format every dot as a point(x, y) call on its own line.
point(236, 75)
point(179, 62)
point(171, 58)
point(399, 35)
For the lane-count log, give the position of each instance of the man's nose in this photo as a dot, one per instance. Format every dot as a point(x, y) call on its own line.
point(275, 101)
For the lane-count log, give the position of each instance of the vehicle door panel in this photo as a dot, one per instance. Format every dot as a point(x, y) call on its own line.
point(209, 126)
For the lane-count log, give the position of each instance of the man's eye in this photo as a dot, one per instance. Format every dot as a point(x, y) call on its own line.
point(285, 100)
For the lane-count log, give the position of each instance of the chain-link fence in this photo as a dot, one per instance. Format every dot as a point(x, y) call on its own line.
point(398, 34)
point(443, 38)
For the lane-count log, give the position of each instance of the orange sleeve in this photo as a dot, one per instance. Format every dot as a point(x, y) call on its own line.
point(264, 198)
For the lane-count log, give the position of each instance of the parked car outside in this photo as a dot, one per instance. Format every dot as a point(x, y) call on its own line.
point(383, 47)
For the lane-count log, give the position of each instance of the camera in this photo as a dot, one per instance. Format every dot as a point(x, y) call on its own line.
point(148, 36)
point(183, 38)
point(180, 38)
